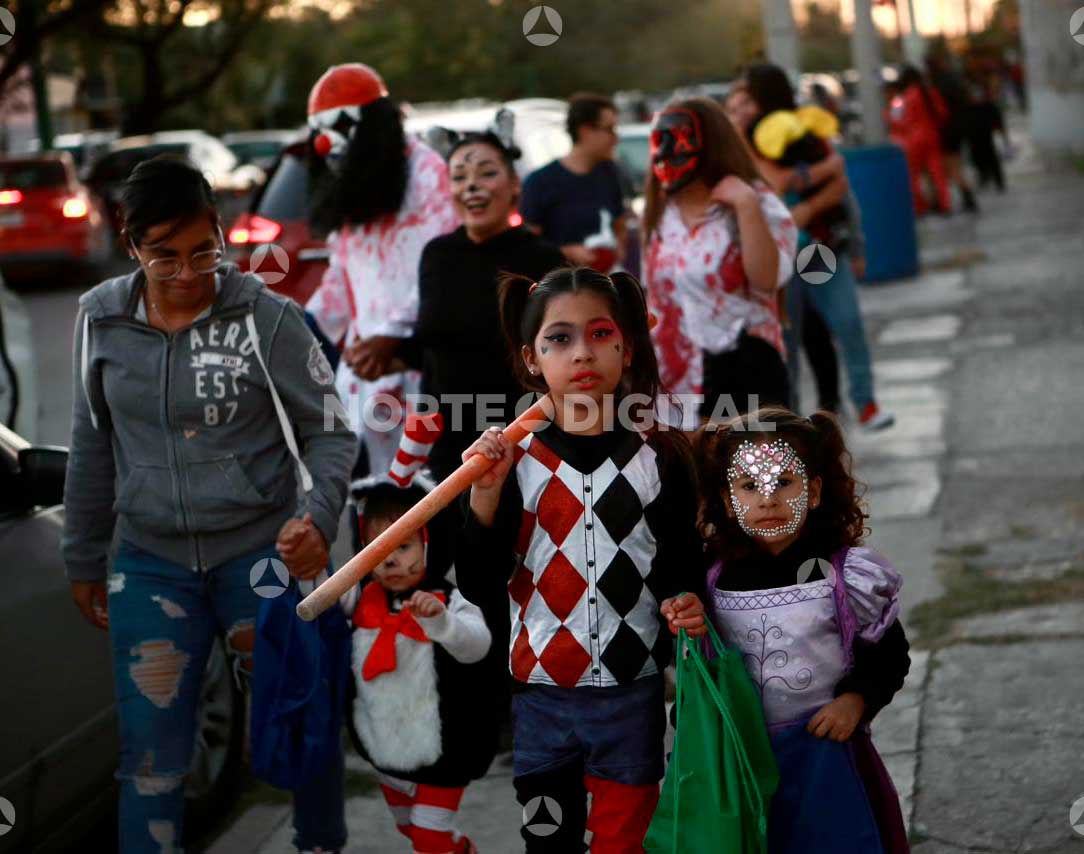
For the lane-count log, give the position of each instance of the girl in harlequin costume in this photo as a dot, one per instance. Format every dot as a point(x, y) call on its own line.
point(815, 615)
point(379, 197)
point(586, 530)
point(421, 713)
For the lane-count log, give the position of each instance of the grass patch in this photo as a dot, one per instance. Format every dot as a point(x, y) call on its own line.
point(960, 259)
point(966, 550)
point(970, 591)
point(1023, 532)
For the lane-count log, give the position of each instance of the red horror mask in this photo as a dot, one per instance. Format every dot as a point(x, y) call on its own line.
point(676, 144)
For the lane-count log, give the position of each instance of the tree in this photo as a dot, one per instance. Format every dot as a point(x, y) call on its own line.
point(35, 24)
point(175, 63)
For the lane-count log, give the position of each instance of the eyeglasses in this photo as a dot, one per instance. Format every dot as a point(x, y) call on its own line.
point(164, 269)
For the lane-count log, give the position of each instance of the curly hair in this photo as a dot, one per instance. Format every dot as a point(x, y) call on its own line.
point(839, 520)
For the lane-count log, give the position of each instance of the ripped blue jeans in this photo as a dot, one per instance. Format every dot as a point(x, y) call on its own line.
point(163, 622)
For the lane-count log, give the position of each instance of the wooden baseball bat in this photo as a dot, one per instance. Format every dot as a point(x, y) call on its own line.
point(443, 494)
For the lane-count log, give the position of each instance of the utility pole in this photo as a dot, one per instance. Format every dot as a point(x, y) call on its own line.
point(866, 56)
point(912, 43)
point(781, 36)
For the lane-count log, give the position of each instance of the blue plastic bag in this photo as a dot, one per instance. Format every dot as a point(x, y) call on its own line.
point(298, 690)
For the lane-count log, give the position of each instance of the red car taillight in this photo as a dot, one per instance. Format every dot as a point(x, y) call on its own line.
point(255, 229)
point(75, 208)
point(10, 197)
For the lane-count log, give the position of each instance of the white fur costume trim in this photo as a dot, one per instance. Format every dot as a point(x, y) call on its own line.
point(397, 714)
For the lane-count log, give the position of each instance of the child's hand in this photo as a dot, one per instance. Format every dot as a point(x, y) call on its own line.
point(485, 493)
point(492, 444)
point(838, 719)
point(733, 192)
point(684, 612)
point(423, 604)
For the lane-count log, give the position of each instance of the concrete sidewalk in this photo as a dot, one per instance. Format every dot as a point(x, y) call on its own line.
point(976, 496)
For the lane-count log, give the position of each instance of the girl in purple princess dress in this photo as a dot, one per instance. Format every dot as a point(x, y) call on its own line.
point(815, 616)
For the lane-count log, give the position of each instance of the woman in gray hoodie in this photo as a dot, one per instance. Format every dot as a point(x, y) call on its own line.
point(209, 444)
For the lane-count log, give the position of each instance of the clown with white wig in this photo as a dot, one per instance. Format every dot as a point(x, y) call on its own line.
point(379, 196)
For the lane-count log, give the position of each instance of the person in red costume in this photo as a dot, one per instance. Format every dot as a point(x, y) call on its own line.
point(915, 118)
point(379, 197)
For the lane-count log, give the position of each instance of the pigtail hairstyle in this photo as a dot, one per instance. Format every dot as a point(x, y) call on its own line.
point(513, 291)
point(644, 370)
point(838, 520)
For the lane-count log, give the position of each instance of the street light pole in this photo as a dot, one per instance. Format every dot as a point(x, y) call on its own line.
point(912, 44)
point(781, 36)
point(866, 56)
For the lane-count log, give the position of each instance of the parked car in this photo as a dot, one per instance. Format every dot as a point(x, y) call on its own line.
point(278, 213)
point(634, 157)
point(229, 179)
point(47, 216)
point(258, 147)
point(84, 147)
point(60, 745)
point(9, 376)
point(539, 128)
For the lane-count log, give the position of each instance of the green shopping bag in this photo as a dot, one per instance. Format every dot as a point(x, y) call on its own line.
point(722, 773)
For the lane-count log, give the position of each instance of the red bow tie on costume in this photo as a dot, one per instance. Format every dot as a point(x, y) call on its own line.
point(373, 613)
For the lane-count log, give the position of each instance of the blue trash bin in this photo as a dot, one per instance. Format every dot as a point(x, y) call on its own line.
point(879, 179)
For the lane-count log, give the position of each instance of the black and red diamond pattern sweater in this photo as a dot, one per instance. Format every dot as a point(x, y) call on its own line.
point(592, 533)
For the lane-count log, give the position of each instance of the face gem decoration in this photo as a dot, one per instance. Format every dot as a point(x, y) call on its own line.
point(676, 144)
point(765, 463)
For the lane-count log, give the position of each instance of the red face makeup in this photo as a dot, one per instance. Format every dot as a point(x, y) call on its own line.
point(580, 349)
point(676, 146)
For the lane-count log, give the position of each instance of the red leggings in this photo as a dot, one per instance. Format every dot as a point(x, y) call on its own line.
point(619, 815)
point(426, 815)
point(924, 157)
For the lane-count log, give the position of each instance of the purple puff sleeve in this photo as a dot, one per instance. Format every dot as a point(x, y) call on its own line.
point(873, 592)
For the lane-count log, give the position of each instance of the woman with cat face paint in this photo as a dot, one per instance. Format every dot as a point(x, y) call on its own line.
point(455, 344)
point(718, 246)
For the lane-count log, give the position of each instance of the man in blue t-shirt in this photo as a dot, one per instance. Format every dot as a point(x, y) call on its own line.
point(576, 201)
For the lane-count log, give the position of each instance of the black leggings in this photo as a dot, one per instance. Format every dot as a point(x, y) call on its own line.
point(562, 791)
point(731, 378)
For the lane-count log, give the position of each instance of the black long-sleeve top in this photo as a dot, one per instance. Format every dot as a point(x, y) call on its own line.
point(879, 668)
point(457, 340)
point(486, 558)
